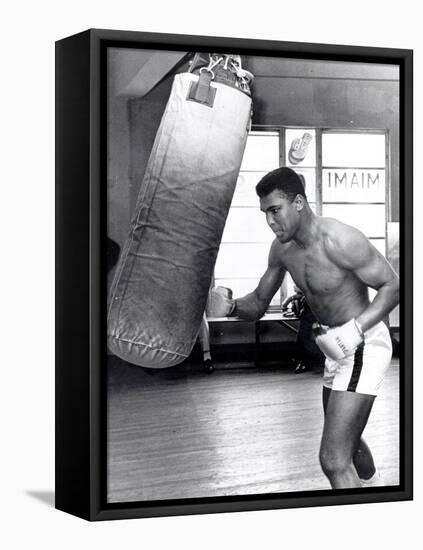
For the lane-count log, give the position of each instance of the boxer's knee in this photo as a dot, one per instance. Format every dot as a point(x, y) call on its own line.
point(334, 461)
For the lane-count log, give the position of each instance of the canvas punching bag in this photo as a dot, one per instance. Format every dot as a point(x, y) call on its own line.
point(160, 288)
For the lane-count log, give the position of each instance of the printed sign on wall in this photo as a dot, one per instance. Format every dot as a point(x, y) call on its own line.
point(353, 185)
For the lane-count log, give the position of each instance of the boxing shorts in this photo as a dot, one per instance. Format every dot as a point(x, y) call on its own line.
point(364, 371)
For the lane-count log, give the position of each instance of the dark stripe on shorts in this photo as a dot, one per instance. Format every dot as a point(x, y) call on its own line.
point(358, 365)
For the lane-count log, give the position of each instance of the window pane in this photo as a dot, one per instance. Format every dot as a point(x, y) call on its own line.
point(245, 191)
point(369, 218)
point(380, 245)
point(372, 294)
point(241, 287)
point(247, 225)
point(300, 147)
point(261, 152)
point(353, 185)
point(288, 287)
point(241, 260)
point(246, 240)
point(276, 300)
point(353, 150)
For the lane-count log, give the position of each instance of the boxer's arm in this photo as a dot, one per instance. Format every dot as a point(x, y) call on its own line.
point(351, 250)
point(254, 305)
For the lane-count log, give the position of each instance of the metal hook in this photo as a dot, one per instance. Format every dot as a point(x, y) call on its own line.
point(207, 70)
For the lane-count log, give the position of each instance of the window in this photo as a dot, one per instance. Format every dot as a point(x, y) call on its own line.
point(353, 182)
point(345, 177)
point(246, 240)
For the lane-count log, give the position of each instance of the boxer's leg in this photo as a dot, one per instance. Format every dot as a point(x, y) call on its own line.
point(362, 459)
point(204, 338)
point(345, 419)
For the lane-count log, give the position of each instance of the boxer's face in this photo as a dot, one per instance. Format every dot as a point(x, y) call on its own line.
point(282, 215)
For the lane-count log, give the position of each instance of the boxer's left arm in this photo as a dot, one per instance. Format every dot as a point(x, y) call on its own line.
point(351, 250)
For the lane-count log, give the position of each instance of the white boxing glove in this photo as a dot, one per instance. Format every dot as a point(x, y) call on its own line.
point(338, 342)
point(220, 302)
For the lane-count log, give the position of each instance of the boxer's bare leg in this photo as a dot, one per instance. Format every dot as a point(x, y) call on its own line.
point(346, 415)
point(362, 459)
point(204, 337)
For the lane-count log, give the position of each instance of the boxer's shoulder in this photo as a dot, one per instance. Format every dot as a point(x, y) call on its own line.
point(280, 251)
point(341, 240)
point(331, 227)
point(337, 233)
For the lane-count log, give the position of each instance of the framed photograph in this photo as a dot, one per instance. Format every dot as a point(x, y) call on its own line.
point(234, 274)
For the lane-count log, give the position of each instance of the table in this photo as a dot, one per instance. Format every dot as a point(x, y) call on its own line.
point(281, 318)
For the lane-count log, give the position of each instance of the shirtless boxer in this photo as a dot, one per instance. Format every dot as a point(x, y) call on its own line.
point(334, 265)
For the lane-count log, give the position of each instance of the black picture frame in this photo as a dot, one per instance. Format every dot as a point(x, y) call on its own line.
point(80, 285)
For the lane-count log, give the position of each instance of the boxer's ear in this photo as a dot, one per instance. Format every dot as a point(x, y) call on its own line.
point(299, 202)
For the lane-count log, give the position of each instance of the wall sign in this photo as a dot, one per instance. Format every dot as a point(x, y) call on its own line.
point(353, 185)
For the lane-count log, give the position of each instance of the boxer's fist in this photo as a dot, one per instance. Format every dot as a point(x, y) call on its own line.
point(220, 302)
point(338, 342)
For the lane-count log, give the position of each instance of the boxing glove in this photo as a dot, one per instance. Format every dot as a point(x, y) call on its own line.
point(294, 304)
point(220, 302)
point(338, 342)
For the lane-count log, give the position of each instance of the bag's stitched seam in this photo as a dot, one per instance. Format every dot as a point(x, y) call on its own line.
point(150, 347)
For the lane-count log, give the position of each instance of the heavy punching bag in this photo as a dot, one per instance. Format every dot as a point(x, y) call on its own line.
point(160, 288)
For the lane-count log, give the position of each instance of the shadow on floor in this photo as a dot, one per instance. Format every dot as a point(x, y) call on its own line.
point(46, 497)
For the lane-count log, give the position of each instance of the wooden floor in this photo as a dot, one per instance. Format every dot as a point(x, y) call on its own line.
point(182, 433)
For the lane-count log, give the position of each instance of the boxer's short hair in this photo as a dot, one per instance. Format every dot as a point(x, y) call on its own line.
point(283, 179)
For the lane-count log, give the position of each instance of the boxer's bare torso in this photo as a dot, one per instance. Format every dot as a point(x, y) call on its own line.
point(334, 293)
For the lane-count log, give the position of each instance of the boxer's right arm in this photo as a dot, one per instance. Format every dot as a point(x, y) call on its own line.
point(254, 305)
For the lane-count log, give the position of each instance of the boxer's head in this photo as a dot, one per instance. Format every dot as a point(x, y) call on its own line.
point(285, 180)
point(283, 200)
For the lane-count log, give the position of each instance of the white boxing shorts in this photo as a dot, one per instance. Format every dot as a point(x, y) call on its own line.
point(364, 371)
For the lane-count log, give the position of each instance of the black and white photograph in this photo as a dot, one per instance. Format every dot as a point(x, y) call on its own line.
point(211, 275)
point(253, 275)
